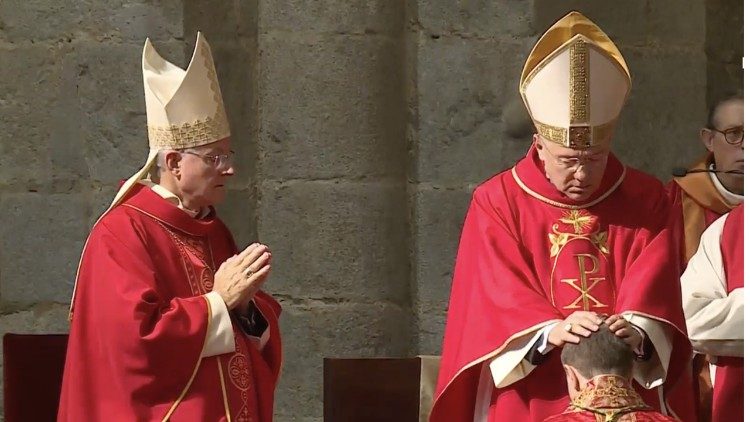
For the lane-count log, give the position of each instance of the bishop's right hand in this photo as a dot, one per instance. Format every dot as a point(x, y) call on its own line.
point(578, 324)
point(239, 277)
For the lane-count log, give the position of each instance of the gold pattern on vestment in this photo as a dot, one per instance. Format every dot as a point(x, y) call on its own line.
point(579, 82)
point(577, 137)
point(586, 283)
point(187, 135)
point(557, 204)
point(582, 224)
point(611, 398)
point(581, 221)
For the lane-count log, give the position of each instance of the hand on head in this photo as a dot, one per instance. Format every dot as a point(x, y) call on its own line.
point(583, 323)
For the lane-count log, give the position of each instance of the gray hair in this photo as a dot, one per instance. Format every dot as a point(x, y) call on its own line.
point(160, 163)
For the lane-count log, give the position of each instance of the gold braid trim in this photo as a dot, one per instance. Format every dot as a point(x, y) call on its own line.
point(548, 201)
point(187, 135)
point(610, 397)
point(199, 132)
point(579, 82)
point(577, 137)
point(611, 415)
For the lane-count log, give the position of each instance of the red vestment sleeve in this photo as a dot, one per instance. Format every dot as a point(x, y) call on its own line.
point(653, 271)
point(495, 298)
point(650, 286)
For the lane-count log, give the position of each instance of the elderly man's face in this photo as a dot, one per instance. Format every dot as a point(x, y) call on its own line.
point(203, 174)
point(575, 173)
point(728, 149)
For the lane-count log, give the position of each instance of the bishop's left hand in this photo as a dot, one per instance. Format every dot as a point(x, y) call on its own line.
point(623, 329)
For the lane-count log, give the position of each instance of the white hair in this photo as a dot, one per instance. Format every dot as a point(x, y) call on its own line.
point(160, 164)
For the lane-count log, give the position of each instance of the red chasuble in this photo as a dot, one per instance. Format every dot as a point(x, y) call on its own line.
point(528, 255)
point(728, 388)
point(139, 324)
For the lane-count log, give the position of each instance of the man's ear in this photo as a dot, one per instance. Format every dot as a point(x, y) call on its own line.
point(172, 162)
point(707, 138)
point(538, 145)
point(571, 375)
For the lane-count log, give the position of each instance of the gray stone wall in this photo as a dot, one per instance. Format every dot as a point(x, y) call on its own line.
point(361, 128)
point(724, 48)
point(72, 124)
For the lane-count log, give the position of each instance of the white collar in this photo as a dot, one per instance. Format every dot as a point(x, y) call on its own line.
point(731, 197)
point(174, 199)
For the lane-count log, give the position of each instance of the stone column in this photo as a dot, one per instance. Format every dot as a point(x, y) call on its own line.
point(332, 201)
point(467, 125)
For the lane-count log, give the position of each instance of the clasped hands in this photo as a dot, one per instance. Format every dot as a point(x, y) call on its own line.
point(242, 275)
point(583, 323)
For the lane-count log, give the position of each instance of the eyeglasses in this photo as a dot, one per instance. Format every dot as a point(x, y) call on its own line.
point(220, 161)
point(733, 135)
point(574, 163)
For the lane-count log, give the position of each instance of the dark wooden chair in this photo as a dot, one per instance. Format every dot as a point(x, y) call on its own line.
point(32, 373)
point(378, 389)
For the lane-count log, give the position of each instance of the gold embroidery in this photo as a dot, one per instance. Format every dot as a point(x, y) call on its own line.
point(243, 415)
point(239, 371)
point(187, 135)
point(577, 137)
point(579, 82)
point(208, 61)
point(558, 135)
point(583, 228)
point(189, 247)
point(609, 397)
point(580, 220)
point(584, 287)
point(199, 132)
point(557, 204)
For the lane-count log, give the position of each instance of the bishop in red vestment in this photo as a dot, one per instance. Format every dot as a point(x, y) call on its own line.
point(168, 321)
point(552, 245)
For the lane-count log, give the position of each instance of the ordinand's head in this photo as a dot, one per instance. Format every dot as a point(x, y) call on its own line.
point(602, 353)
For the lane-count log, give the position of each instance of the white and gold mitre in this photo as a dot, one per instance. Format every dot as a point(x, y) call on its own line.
point(574, 83)
point(184, 108)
